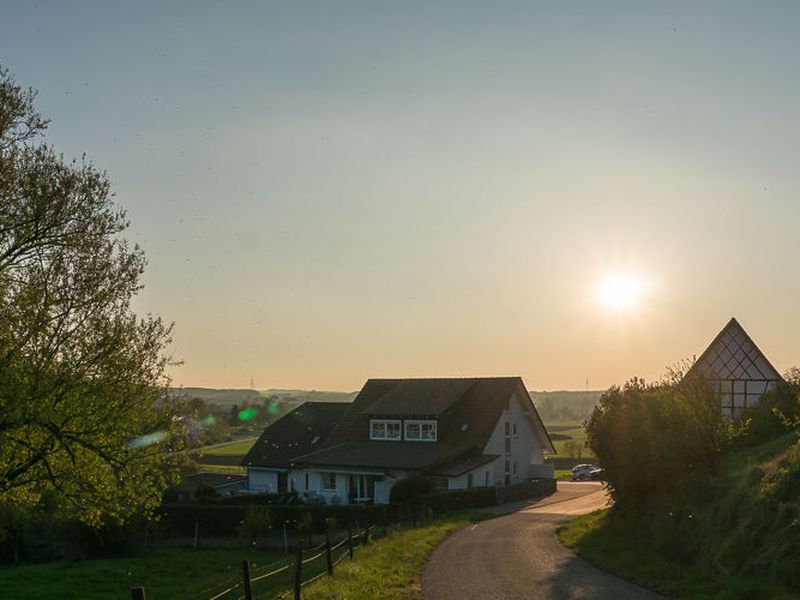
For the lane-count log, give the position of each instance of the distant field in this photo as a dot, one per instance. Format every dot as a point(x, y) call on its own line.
point(223, 458)
point(233, 449)
point(227, 469)
point(564, 432)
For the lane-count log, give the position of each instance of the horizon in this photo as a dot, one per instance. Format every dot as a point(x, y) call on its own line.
point(564, 192)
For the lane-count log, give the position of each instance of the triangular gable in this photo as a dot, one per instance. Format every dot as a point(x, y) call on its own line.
point(738, 371)
point(733, 355)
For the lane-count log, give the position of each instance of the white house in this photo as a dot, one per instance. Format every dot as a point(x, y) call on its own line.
point(461, 433)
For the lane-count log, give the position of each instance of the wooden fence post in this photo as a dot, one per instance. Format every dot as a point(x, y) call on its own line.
point(366, 535)
point(137, 593)
point(248, 591)
point(298, 570)
point(328, 551)
point(350, 541)
point(196, 535)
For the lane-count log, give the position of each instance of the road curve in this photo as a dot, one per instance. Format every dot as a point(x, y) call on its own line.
point(518, 556)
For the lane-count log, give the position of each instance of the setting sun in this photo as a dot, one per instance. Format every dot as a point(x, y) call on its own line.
point(621, 291)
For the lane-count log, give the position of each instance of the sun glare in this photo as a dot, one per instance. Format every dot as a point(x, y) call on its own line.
point(621, 291)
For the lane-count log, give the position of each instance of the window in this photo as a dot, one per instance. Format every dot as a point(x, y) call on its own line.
point(514, 430)
point(420, 431)
point(384, 429)
point(514, 472)
point(329, 481)
point(486, 479)
point(508, 445)
point(469, 480)
point(508, 472)
point(508, 428)
point(306, 482)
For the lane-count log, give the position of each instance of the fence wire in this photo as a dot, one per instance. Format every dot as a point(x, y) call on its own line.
point(337, 552)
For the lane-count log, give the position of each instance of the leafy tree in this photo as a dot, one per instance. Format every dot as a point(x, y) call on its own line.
point(82, 378)
point(652, 439)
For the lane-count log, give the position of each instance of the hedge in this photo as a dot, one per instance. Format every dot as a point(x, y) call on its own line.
point(220, 519)
point(448, 500)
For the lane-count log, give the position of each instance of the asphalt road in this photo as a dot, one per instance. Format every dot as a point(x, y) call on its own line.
point(518, 556)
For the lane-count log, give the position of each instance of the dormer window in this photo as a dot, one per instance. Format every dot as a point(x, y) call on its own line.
point(420, 431)
point(384, 429)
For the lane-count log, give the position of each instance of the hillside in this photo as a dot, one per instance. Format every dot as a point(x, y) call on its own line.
point(229, 397)
point(733, 537)
point(565, 406)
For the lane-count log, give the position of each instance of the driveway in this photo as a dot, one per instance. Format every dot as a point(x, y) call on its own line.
point(518, 556)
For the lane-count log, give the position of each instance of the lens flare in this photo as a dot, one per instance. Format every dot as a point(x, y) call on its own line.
point(248, 413)
point(148, 439)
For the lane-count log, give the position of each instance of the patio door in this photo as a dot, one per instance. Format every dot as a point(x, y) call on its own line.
point(361, 489)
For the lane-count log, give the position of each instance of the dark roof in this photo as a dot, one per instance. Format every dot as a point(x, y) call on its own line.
point(384, 455)
point(734, 355)
point(474, 402)
point(461, 465)
point(215, 480)
point(409, 397)
point(299, 432)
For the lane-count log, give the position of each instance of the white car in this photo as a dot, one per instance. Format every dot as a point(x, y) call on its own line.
point(583, 472)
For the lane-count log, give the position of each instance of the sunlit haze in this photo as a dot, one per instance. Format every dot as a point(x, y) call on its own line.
point(328, 192)
point(622, 291)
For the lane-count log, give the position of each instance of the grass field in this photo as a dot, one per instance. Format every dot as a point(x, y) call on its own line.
point(164, 573)
point(388, 569)
point(239, 448)
point(564, 432)
point(227, 469)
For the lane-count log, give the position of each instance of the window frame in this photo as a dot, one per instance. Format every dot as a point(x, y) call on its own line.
point(386, 423)
point(421, 423)
point(323, 476)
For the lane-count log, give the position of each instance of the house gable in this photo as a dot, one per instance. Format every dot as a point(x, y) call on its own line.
point(737, 369)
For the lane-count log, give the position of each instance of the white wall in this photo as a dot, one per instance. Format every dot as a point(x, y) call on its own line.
point(478, 477)
point(262, 480)
point(526, 447)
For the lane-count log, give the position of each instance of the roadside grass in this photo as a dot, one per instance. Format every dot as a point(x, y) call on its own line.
point(164, 573)
point(389, 568)
point(728, 539)
point(563, 474)
point(623, 551)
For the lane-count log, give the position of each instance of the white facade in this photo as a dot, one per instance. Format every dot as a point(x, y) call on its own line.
point(483, 476)
point(525, 455)
point(260, 480)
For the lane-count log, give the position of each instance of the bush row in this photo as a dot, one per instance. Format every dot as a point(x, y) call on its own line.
point(218, 519)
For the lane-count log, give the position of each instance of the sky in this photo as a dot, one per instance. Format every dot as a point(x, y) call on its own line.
point(332, 191)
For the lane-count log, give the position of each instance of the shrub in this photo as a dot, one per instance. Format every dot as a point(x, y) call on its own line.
point(409, 488)
point(651, 439)
point(257, 522)
point(777, 411)
point(449, 500)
